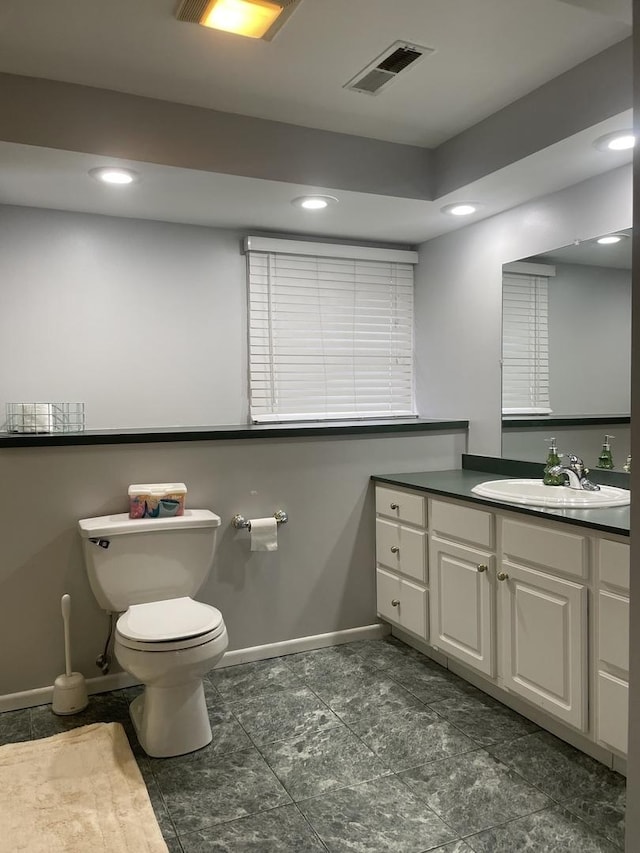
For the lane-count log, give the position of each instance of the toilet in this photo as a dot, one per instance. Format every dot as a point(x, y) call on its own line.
point(148, 570)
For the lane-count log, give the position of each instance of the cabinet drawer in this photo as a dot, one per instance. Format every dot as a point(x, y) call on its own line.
point(462, 523)
point(403, 602)
point(403, 506)
point(550, 548)
point(613, 630)
point(613, 563)
point(613, 711)
point(401, 548)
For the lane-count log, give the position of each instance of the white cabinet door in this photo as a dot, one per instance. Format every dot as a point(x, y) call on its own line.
point(402, 602)
point(462, 604)
point(544, 641)
point(613, 711)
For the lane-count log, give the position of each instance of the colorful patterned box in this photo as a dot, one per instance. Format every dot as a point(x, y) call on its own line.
point(156, 500)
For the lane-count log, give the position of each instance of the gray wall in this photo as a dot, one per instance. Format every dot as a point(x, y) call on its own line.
point(459, 296)
point(143, 321)
point(590, 340)
point(320, 579)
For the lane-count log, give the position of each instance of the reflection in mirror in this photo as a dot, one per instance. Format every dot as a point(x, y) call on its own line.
point(566, 350)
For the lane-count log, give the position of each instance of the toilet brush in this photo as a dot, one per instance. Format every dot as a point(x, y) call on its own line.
point(69, 689)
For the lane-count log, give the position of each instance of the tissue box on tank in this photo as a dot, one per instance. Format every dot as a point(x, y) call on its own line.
point(156, 500)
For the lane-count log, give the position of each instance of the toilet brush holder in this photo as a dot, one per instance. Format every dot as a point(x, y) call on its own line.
point(69, 689)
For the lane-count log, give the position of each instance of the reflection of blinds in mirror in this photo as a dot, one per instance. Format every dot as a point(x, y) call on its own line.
point(525, 344)
point(329, 337)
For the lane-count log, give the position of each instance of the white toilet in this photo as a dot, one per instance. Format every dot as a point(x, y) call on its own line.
point(148, 569)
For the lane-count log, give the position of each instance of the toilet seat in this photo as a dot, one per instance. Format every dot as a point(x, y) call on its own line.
point(169, 625)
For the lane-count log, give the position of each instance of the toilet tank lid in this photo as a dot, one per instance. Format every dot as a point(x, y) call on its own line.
point(115, 525)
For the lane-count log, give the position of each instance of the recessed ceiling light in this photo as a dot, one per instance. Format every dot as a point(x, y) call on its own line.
point(461, 208)
point(621, 140)
point(608, 239)
point(113, 175)
point(314, 202)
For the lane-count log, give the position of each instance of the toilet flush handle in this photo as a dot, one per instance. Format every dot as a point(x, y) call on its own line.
point(102, 543)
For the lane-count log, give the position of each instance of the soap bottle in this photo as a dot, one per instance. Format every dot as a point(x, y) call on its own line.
point(553, 458)
point(605, 460)
point(627, 465)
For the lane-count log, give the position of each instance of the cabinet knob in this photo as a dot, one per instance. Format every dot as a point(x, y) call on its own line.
point(395, 549)
point(395, 602)
point(502, 576)
point(482, 568)
point(395, 506)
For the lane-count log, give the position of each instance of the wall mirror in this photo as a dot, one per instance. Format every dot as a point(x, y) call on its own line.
point(566, 350)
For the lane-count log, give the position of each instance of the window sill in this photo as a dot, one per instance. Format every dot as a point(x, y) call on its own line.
point(230, 432)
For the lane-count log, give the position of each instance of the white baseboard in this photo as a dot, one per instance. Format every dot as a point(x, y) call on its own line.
point(118, 680)
point(44, 695)
point(303, 644)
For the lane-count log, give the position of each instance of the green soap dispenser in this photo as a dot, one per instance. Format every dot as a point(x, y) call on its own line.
point(553, 458)
point(605, 460)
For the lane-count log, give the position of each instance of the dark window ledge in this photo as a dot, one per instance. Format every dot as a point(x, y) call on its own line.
point(230, 432)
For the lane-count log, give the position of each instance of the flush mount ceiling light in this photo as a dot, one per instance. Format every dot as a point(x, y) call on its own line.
point(621, 140)
point(257, 19)
point(113, 175)
point(609, 239)
point(460, 208)
point(314, 202)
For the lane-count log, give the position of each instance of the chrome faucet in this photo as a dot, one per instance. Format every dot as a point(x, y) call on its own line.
point(575, 472)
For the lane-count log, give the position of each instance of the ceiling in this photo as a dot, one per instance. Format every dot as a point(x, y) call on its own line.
point(487, 55)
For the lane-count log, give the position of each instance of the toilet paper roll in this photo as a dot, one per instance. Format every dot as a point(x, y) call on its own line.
point(264, 534)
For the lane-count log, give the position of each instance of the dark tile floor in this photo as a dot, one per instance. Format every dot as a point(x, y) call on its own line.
point(363, 748)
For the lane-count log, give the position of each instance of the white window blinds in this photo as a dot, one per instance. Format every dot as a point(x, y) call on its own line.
point(525, 344)
point(329, 337)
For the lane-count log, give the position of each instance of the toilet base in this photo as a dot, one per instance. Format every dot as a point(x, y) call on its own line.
point(171, 721)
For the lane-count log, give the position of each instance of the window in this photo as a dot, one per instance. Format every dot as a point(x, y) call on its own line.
point(330, 331)
point(525, 340)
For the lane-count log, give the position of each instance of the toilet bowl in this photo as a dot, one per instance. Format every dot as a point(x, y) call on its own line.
point(148, 570)
point(169, 646)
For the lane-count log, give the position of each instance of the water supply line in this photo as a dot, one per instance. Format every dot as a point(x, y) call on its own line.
point(103, 661)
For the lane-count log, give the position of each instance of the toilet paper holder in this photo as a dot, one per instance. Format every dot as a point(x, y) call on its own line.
point(241, 523)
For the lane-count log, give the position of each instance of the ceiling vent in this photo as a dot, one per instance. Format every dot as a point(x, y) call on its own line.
point(380, 73)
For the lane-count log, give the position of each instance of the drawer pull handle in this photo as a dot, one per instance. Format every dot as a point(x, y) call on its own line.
point(502, 576)
point(482, 568)
point(395, 549)
point(395, 506)
point(395, 602)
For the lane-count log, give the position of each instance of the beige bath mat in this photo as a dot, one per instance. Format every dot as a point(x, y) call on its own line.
point(76, 792)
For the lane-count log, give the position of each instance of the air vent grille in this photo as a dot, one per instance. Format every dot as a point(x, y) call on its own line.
point(380, 73)
point(399, 59)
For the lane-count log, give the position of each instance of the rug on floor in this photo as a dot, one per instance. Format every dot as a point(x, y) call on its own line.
point(74, 792)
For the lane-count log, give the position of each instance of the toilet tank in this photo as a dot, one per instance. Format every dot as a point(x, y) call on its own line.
point(136, 560)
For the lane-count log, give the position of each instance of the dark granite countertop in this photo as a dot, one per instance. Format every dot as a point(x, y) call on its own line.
point(458, 484)
point(228, 432)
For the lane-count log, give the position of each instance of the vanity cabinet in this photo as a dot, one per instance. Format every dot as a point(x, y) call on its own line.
point(536, 607)
point(612, 658)
point(401, 560)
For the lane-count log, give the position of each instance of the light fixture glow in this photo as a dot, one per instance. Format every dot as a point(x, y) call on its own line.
point(251, 18)
point(113, 175)
point(609, 239)
point(621, 140)
point(463, 208)
point(314, 202)
point(622, 143)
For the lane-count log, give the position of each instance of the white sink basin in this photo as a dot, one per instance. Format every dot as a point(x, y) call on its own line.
point(535, 493)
